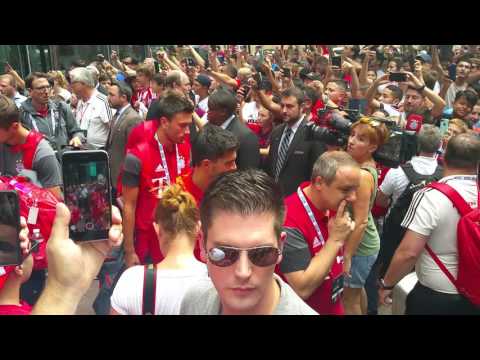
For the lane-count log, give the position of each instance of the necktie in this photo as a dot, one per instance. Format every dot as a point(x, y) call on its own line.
point(112, 124)
point(282, 154)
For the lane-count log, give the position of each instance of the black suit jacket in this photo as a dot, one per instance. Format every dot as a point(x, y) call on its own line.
point(117, 140)
point(248, 155)
point(301, 156)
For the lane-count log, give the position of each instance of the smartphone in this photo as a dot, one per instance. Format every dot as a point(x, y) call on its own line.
point(10, 252)
point(87, 189)
point(397, 77)
point(157, 66)
point(190, 62)
point(337, 61)
point(444, 126)
point(286, 72)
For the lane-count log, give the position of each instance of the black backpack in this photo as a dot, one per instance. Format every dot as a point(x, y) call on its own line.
point(393, 232)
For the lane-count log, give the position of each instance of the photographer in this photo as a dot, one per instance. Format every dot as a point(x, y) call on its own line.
point(72, 267)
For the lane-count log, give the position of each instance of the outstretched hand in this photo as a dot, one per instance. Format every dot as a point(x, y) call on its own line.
point(73, 266)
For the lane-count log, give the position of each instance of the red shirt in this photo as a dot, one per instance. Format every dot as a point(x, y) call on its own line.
point(379, 211)
point(22, 309)
point(153, 176)
point(186, 181)
point(263, 139)
point(318, 105)
point(143, 95)
point(298, 218)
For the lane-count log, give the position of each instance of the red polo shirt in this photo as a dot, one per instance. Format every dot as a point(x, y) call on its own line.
point(298, 219)
point(186, 181)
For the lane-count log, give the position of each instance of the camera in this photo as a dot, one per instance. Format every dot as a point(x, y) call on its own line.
point(334, 130)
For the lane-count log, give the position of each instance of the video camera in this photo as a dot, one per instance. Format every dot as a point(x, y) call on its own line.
point(335, 130)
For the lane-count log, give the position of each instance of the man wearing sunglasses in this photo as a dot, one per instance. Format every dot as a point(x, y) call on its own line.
point(313, 253)
point(242, 214)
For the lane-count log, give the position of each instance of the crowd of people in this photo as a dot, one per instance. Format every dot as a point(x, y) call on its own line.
point(253, 182)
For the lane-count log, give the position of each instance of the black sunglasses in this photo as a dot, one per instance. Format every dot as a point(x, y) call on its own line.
point(224, 256)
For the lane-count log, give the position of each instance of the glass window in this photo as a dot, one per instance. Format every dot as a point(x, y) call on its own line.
point(13, 55)
point(67, 54)
point(137, 51)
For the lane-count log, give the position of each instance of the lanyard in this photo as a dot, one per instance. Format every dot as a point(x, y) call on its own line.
point(164, 160)
point(310, 215)
point(82, 114)
point(52, 116)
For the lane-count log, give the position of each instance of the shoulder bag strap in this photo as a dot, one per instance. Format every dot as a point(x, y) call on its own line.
point(461, 205)
point(149, 289)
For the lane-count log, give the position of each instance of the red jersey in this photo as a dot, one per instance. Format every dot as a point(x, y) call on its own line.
point(298, 218)
point(143, 95)
point(153, 177)
point(318, 105)
point(263, 139)
point(186, 181)
point(22, 309)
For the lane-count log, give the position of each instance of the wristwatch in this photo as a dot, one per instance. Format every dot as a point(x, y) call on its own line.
point(385, 287)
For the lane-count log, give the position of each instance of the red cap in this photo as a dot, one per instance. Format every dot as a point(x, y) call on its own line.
point(4, 272)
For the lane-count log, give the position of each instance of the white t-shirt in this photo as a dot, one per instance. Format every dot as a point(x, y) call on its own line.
point(396, 181)
point(451, 92)
point(432, 214)
point(250, 112)
point(94, 116)
point(171, 287)
point(203, 105)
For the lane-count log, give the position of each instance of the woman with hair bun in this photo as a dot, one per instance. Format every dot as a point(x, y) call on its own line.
point(176, 225)
point(363, 245)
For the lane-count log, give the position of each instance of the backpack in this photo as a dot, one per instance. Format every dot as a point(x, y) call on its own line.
point(149, 289)
point(30, 195)
point(468, 243)
point(393, 232)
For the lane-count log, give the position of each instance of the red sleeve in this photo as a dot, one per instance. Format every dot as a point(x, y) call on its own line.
point(256, 128)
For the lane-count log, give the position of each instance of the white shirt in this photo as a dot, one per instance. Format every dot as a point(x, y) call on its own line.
point(227, 122)
point(170, 289)
point(18, 99)
point(250, 112)
point(452, 91)
point(432, 214)
point(396, 181)
point(203, 105)
point(94, 116)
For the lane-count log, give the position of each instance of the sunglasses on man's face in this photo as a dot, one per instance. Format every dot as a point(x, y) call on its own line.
point(224, 256)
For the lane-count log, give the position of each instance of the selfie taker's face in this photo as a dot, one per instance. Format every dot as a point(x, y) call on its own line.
point(242, 285)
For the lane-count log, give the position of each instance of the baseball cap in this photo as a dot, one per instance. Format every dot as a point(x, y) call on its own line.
point(424, 58)
point(204, 80)
point(4, 272)
point(313, 76)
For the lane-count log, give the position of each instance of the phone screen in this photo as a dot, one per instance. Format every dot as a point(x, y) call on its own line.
point(444, 126)
point(10, 253)
point(286, 72)
point(397, 77)
point(337, 61)
point(86, 177)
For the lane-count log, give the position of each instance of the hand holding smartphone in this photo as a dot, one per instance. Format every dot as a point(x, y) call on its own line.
point(398, 77)
point(87, 188)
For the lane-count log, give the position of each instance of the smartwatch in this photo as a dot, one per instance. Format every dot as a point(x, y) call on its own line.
point(385, 287)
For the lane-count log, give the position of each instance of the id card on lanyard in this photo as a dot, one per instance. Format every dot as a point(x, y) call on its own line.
point(167, 178)
point(337, 283)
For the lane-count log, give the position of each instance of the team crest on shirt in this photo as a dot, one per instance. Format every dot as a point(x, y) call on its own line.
point(181, 163)
point(159, 168)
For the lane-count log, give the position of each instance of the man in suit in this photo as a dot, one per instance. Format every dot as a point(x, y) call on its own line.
point(222, 105)
point(291, 158)
point(119, 96)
